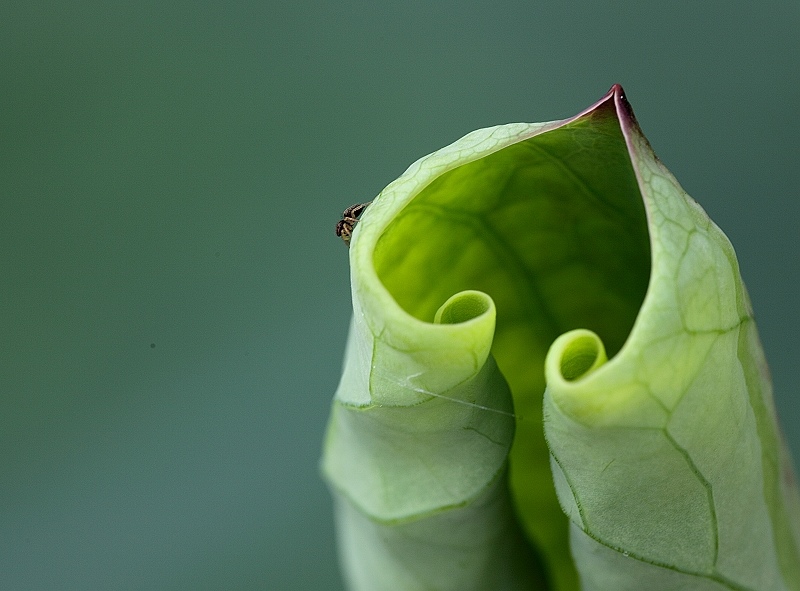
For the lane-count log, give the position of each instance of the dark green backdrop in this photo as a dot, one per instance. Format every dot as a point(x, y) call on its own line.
point(174, 301)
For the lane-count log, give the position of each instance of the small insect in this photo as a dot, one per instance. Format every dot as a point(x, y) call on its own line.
point(344, 227)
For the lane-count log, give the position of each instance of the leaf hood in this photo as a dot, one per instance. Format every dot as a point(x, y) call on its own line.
point(563, 250)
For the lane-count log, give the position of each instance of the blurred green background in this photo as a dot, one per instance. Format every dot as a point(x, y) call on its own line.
point(174, 300)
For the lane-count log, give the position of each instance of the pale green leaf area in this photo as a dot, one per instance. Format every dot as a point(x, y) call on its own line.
point(551, 341)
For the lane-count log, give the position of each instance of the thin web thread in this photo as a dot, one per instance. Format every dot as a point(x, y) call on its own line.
point(407, 384)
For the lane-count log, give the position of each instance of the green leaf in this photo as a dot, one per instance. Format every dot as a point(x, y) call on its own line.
point(668, 457)
point(664, 451)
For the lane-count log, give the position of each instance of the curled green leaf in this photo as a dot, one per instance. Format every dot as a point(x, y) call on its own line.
point(563, 250)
